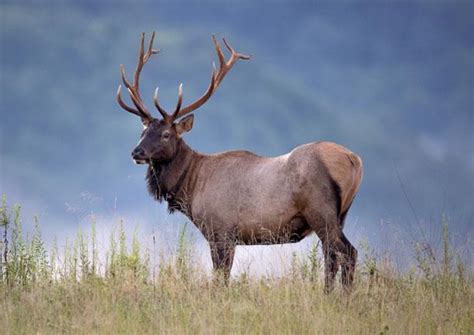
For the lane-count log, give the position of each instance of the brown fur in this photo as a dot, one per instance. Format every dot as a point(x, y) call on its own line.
point(238, 197)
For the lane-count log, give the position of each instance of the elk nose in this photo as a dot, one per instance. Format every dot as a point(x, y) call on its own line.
point(138, 154)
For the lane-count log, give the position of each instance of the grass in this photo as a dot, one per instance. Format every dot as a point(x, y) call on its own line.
point(73, 290)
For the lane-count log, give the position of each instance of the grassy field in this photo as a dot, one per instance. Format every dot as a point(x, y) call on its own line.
point(71, 289)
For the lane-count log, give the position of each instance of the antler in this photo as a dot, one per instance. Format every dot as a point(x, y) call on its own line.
point(133, 89)
point(216, 78)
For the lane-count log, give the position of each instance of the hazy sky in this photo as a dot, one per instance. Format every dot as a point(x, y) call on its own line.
point(392, 81)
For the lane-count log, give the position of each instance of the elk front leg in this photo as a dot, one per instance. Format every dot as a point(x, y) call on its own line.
point(222, 254)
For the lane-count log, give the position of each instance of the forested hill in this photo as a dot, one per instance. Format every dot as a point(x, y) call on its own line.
point(391, 81)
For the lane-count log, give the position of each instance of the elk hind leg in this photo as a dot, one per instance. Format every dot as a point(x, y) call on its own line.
point(327, 228)
point(331, 266)
point(348, 263)
point(222, 254)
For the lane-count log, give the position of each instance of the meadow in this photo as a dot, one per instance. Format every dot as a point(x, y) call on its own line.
point(72, 287)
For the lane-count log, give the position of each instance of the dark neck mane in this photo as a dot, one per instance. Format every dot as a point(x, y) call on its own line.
point(172, 181)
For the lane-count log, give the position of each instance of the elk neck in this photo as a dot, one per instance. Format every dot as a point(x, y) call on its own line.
point(174, 180)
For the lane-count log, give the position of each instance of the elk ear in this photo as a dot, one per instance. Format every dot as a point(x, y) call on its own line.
point(185, 124)
point(145, 123)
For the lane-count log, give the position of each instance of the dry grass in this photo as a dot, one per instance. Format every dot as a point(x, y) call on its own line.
point(62, 292)
point(282, 306)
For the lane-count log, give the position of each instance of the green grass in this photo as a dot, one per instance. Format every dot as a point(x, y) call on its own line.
point(72, 290)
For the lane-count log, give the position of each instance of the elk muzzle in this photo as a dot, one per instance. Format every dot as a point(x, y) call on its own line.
point(139, 156)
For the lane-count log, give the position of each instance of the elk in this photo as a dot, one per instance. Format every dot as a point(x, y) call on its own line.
point(240, 198)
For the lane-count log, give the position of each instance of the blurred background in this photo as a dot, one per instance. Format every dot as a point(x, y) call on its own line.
point(392, 81)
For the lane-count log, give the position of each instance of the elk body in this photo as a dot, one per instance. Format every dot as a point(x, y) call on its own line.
point(239, 198)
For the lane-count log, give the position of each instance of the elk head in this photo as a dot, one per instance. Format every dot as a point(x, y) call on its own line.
point(160, 137)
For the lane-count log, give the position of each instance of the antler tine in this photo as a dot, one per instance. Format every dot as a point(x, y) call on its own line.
point(123, 105)
point(233, 52)
point(158, 106)
point(140, 63)
point(198, 103)
point(180, 101)
point(152, 51)
point(140, 111)
point(216, 77)
point(226, 66)
point(166, 116)
point(144, 57)
point(133, 90)
point(219, 52)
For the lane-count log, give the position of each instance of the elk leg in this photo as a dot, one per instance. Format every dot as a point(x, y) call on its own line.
point(222, 254)
point(328, 230)
point(330, 266)
point(343, 251)
point(349, 263)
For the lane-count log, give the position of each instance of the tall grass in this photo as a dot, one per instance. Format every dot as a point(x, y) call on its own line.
point(74, 289)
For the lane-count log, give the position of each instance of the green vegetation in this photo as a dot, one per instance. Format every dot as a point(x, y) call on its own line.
point(72, 289)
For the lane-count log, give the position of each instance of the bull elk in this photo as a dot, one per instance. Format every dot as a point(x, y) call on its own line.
point(240, 198)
